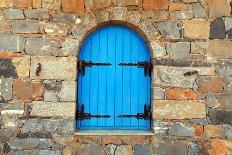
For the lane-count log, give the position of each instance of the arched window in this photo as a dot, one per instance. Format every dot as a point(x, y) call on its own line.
point(114, 80)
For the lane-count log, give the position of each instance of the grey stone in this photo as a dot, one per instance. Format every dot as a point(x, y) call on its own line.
point(5, 25)
point(46, 152)
point(70, 46)
point(30, 144)
point(36, 14)
point(218, 117)
point(37, 125)
point(169, 30)
point(110, 149)
point(174, 77)
point(5, 135)
point(66, 127)
point(13, 13)
point(25, 26)
point(142, 149)
point(6, 148)
point(40, 46)
point(11, 43)
point(6, 89)
point(90, 149)
point(169, 147)
point(198, 11)
point(79, 32)
point(50, 96)
point(18, 153)
point(181, 15)
point(194, 149)
point(55, 29)
point(9, 122)
point(211, 100)
point(199, 47)
point(68, 91)
point(12, 110)
point(228, 131)
point(161, 127)
point(178, 50)
point(199, 121)
point(228, 23)
point(68, 18)
point(217, 29)
point(118, 13)
point(158, 49)
point(7, 69)
point(123, 150)
point(158, 93)
point(41, 135)
point(179, 129)
point(55, 86)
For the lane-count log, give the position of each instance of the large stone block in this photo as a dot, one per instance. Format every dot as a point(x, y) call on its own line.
point(196, 28)
point(25, 26)
point(169, 147)
point(54, 67)
point(217, 29)
point(210, 84)
point(68, 18)
point(218, 8)
point(68, 91)
point(13, 14)
point(11, 43)
point(178, 50)
point(181, 15)
point(73, 6)
point(6, 89)
point(51, 109)
point(36, 14)
point(51, 4)
point(168, 109)
point(179, 129)
point(5, 25)
point(54, 28)
point(169, 30)
point(220, 48)
point(155, 4)
point(220, 117)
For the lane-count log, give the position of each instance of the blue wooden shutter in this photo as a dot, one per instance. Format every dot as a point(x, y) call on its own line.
point(113, 90)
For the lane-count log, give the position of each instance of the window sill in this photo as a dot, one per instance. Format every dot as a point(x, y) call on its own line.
point(114, 132)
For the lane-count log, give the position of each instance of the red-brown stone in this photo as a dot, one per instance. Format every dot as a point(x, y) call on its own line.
point(180, 94)
point(198, 129)
point(155, 4)
point(73, 6)
point(216, 147)
point(26, 91)
point(215, 85)
point(23, 3)
point(9, 55)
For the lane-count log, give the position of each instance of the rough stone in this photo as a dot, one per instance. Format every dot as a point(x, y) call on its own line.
point(198, 130)
point(22, 66)
point(6, 89)
point(73, 6)
point(158, 49)
point(210, 84)
point(22, 3)
point(218, 117)
point(155, 4)
point(37, 3)
point(66, 127)
point(228, 23)
point(159, 93)
point(228, 131)
point(7, 69)
point(52, 109)
point(50, 96)
point(179, 129)
point(118, 13)
point(196, 28)
point(217, 147)
point(11, 43)
point(9, 122)
point(67, 66)
point(68, 91)
point(124, 149)
point(13, 14)
point(178, 50)
point(5, 25)
point(70, 46)
point(220, 48)
point(64, 18)
point(18, 152)
point(194, 149)
point(90, 149)
point(161, 127)
point(102, 16)
point(199, 47)
point(174, 77)
point(142, 149)
point(168, 109)
point(39, 125)
point(55, 86)
point(54, 28)
point(36, 14)
point(46, 152)
point(172, 147)
point(198, 11)
point(29, 144)
point(217, 29)
point(169, 30)
point(6, 148)
point(218, 8)
point(181, 15)
point(179, 7)
point(27, 91)
point(110, 149)
point(180, 94)
point(5, 135)
point(12, 110)
point(51, 4)
point(40, 46)
point(212, 131)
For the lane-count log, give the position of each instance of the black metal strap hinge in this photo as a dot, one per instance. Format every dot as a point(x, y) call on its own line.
point(83, 64)
point(146, 115)
point(146, 65)
point(81, 115)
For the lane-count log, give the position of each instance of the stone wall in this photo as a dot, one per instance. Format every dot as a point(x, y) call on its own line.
point(191, 48)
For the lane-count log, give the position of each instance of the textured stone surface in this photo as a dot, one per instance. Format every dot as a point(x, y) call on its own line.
point(220, 48)
point(54, 28)
point(172, 147)
point(66, 127)
point(22, 66)
point(220, 116)
point(13, 13)
point(70, 46)
point(11, 43)
point(7, 69)
point(155, 4)
point(217, 29)
point(52, 109)
point(64, 18)
point(5, 135)
point(68, 91)
point(49, 70)
point(194, 149)
point(51, 4)
point(181, 15)
point(142, 149)
point(22, 3)
point(158, 93)
point(180, 94)
point(90, 149)
point(46, 152)
point(127, 3)
point(5, 25)
point(73, 6)
point(210, 84)
point(198, 11)
point(178, 50)
point(36, 14)
point(12, 110)
point(50, 96)
point(218, 8)
point(196, 28)
point(169, 30)
point(110, 149)
point(167, 109)
point(199, 47)
point(179, 129)
point(6, 89)
point(213, 131)
point(124, 149)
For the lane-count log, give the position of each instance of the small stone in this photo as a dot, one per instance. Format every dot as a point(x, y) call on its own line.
point(52, 109)
point(155, 5)
point(37, 3)
point(118, 13)
point(51, 4)
point(12, 110)
point(178, 50)
point(5, 135)
point(6, 148)
point(13, 14)
point(228, 23)
point(54, 28)
point(143, 150)
point(198, 11)
point(7, 69)
point(179, 129)
point(220, 48)
point(55, 86)
point(194, 149)
point(167, 146)
point(90, 149)
point(50, 96)
point(110, 149)
point(199, 47)
point(219, 8)
point(36, 14)
point(6, 89)
point(196, 28)
point(64, 18)
point(179, 7)
point(158, 93)
point(124, 149)
point(211, 100)
point(159, 49)
point(218, 117)
point(210, 84)
point(76, 6)
point(212, 131)
point(181, 15)
point(169, 30)
point(25, 26)
point(66, 127)
point(198, 130)
point(11, 43)
point(5, 25)
point(168, 109)
point(79, 32)
point(180, 94)
point(217, 29)
point(228, 131)
point(70, 46)
point(23, 3)
point(22, 65)
point(68, 91)
point(46, 152)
